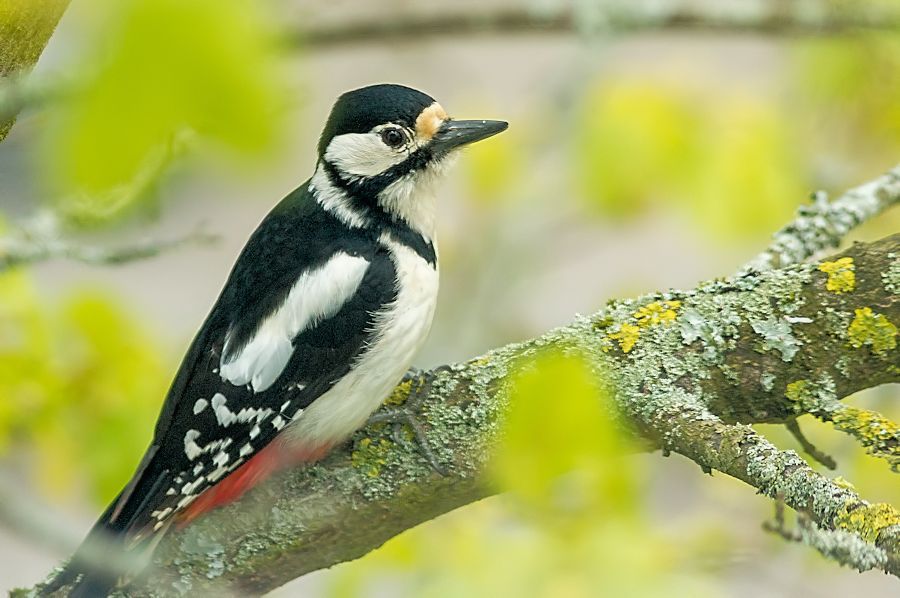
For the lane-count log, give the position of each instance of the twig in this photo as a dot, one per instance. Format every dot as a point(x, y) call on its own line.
point(837, 525)
point(808, 447)
point(40, 240)
point(876, 433)
point(778, 526)
point(824, 224)
point(21, 91)
point(768, 17)
point(838, 545)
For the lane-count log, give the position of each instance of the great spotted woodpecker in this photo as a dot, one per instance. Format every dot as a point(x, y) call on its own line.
point(320, 318)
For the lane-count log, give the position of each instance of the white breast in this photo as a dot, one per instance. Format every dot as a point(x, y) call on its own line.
point(401, 328)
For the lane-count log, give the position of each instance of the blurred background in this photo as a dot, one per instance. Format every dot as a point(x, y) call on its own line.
point(652, 144)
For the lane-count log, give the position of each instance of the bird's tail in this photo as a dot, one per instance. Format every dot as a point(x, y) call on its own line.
point(105, 556)
point(85, 572)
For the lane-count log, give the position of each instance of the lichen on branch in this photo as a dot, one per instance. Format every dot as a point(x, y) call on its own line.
point(689, 371)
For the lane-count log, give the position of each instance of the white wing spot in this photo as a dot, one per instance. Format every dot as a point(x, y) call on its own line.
point(199, 406)
point(278, 422)
point(226, 416)
point(186, 501)
point(223, 414)
point(198, 468)
point(191, 448)
point(254, 431)
point(160, 515)
point(246, 450)
point(217, 473)
point(191, 486)
point(220, 459)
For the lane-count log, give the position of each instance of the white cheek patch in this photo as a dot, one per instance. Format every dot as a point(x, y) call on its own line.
point(362, 154)
point(317, 295)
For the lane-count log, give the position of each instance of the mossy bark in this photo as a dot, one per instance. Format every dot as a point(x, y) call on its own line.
point(729, 354)
point(25, 29)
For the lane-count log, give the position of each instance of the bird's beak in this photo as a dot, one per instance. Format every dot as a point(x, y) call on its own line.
point(456, 133)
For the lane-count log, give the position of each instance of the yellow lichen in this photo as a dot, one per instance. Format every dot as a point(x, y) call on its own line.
point(371, 455)
point(627, 336)
point(868, 520)
point(658, 312)
point(796, 391)
point(400, 393)
point(841, 275)
point(873, 329)
point(843, 483)
point(878, 434)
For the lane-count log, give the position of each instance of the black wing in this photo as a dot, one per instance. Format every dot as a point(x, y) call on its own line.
point(208, 426)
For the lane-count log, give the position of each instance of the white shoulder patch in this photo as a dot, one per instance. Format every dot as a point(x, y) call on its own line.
point(317, 295)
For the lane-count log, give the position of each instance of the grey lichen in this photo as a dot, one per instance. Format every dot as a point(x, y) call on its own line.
point(844, 547)
point(778, 335)
point(713, 333)
point(823, 224)
point(891, 278)
point(690, 373)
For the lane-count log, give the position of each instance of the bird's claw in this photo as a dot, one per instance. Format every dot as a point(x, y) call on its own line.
point(407, 414)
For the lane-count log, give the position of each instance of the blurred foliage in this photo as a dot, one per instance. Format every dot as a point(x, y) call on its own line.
point(573, 523)
point(851, 85)
point(152, 70)
point(81, 385)
point(727, 162)
point(491, 169)
point(734, 162)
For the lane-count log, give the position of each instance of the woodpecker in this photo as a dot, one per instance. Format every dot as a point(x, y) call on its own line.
point(320, 318)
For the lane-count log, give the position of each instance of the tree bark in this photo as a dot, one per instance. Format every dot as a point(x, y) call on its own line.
point(689, 370)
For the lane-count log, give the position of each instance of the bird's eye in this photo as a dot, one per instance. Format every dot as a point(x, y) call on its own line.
point(393, 137)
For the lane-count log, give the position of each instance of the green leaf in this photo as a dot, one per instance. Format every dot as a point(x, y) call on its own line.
point(562, 451)
point(82, 383)
point(157, 68)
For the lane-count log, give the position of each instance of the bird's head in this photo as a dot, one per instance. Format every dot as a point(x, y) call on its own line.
point(382, 149)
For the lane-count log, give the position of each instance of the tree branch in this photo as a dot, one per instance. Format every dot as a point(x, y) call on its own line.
point(824, 224)
point(40, 239)
point(819, 17)
point(689, 369)
point(25, 29)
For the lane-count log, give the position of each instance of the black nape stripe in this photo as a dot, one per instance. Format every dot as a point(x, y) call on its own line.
point(364, 197)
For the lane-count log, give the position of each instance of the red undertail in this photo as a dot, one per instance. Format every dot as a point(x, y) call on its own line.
point(274, 457)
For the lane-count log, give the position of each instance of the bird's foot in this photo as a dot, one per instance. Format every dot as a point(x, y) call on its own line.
point(406, 412)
